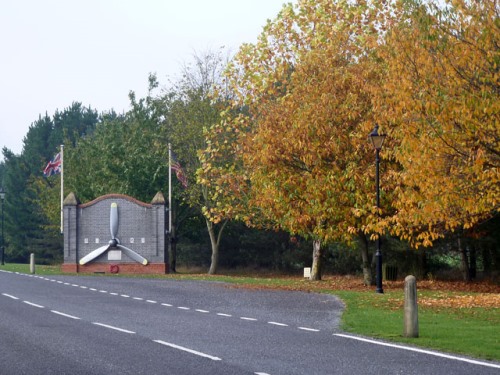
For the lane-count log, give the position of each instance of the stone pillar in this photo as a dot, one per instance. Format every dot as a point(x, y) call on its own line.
point(70, 225)
point(410, 308)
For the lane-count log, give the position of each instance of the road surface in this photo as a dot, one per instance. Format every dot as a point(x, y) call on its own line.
point(116, 325)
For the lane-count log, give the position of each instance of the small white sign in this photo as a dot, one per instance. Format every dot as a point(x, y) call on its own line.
point(132, 240)
point(86, 240)
point(143, 240)
point(114, 255)
point(97, 240)
point(307, 272)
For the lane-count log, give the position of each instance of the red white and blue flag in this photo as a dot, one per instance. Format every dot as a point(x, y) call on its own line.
point(179, 172)
point(54, 166)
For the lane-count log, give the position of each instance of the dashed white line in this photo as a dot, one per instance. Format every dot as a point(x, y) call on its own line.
point(309, 329)
point(188, 350)
point(103, 291)
point(250, 319)
point(33, 304)
point(222, 314)
point(167, 304)
point(114, 328)
point(83, 287)
point(124, 295)
point(202, 311)
point(138, 298)
point(65, 315)
point(261, 373)
point(278, 324)
point(75, 285)
point(93, 289)
point(150, 301)
point(114, 294)
point(183, 308)
point(8, 295)
point(60, 282)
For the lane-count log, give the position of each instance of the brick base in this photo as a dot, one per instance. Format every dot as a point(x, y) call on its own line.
point(123, 268)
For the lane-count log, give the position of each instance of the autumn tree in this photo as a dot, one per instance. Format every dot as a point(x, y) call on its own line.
point(440, 102)
point(298, 126)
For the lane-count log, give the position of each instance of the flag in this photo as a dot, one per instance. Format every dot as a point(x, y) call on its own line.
point(54, 166)
point(179, 172)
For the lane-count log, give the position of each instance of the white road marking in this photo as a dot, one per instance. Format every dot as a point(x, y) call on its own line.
point(33, 304)
point(66, 284)
point(202, 311)
point(124, 295)
point(103, 291)
point(245, 318)
point(309, 329)
point(93, 289)
point(278, 324)
point(65, 315)
point(138, 298)
point(112, 327)
point(114, 294)
point(419, 351)
point(151, 301)
point(166, 304)
point(83, 287)
point(183, 308)
point(261, 373)
point(8, 295)
point(60, 282)
point(188, 350)
point(221, 314)
point(75, 285)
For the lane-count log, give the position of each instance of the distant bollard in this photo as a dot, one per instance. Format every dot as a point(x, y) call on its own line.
point(32, 263)
point(411, 309)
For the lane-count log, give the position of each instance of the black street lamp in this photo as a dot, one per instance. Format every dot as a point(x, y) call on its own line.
point(2, 197)
point(377, 141)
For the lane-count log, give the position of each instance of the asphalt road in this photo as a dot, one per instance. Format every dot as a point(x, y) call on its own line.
point(109, 325)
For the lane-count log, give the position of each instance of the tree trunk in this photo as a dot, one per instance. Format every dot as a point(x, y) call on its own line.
point(316, 265)
point(465, 261)
point(214, 242)
point(472, 262)
point(366, 265)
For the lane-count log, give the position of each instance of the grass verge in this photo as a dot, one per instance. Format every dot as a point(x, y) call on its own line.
point(450, 319)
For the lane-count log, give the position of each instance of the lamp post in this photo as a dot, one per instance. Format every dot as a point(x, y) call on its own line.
point(377, 141)
point(2, 197)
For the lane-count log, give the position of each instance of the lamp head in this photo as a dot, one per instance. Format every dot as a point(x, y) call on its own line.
point(377, 139)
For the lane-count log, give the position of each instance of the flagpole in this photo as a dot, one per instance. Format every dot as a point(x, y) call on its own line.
point(169, 189)
point(62, 188)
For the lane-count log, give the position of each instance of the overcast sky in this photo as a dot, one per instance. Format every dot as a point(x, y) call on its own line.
point(55, 52)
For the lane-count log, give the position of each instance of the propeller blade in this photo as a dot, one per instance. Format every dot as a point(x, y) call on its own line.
point(113, 220)
point(94, 254)
point(132, 254)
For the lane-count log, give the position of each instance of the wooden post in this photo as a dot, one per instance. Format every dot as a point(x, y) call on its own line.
point(32, 263)
point(410, 308)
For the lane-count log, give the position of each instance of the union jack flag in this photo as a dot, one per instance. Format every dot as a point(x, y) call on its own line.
point(179, 172)
point(54, 166)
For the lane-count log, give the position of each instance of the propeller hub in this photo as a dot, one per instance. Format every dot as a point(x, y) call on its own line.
point(113, 242)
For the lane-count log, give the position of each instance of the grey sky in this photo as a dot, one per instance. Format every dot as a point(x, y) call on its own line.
point(54, 52)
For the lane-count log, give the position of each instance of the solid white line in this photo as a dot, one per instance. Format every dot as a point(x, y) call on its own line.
point(202, 311)
point(419, 350)
point(111, 327)
point(309, 329)
point(151, 301)
point(66, 315)
point(221, 314)
point(188, 350)
point(33, 304)
point(278, 324)
point(8, 295)
point(245, 318)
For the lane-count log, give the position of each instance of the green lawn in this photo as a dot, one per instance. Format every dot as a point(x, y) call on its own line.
point(473, 331)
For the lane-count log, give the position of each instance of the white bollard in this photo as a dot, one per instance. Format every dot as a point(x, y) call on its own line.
point(411, 308)
point(32, 263)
